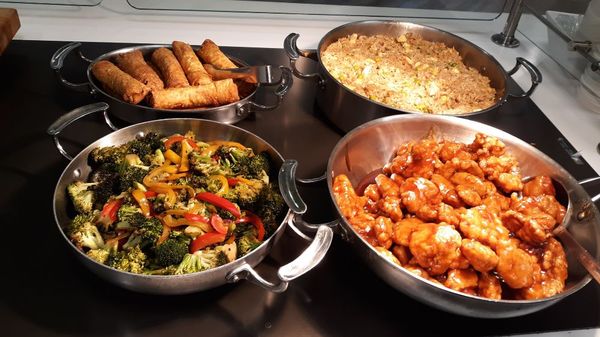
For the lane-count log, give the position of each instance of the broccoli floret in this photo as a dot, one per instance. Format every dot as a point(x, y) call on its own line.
point(157, 159)
point(172, 250)
point(202, 260)
point(84, 233)
point(270, 206)
point(108, 154)
point(132, 260)
point(132, 215)
point(82, 196)
point(206, 165)
point(149, 232)
point(194, 180)
point(100, 255)
point(158, 204)
point(246, 241)
point(259, 165)
point(144, 147)
point(131, 170)
point(107, 180)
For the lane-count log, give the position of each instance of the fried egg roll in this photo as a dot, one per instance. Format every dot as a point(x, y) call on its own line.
point(193, 69)
point(215, 93)
point(170, 68)
point(134, 64)
point(119, 83)
point(209, 52)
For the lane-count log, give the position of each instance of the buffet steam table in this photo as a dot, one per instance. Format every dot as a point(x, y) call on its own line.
point(47, 292)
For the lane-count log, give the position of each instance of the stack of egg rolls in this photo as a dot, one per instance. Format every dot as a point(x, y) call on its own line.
point(176, 78)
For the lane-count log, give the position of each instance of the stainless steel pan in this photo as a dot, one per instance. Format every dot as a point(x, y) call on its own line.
point(369, 147)
point(347, 109)
point(134, 113)
point(242, 268)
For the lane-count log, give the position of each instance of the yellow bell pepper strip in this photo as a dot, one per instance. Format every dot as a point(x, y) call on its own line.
point(172, 156)
point(108, 215)
point(220, 202)
point(176, 176)
point(256, 222)
point(223, 182)
point(210, 150)
point(184, 165)
point(218, 224)
point(205, 240)
point(140, 197)
point(165, 234)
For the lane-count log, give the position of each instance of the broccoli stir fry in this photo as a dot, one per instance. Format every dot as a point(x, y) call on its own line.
point(173, 205)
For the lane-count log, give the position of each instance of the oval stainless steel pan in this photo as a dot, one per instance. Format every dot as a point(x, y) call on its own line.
point(269, 75)
point(369, 147)
point(242, 268)
point(347, 109)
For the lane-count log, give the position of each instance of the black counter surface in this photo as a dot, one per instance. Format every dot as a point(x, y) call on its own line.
point(45, 291)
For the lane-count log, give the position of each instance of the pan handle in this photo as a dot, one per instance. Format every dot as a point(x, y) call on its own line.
point(534, 72)
point(65, 120)
point(589, 180)
point(309, 258)
point(57, 61)
point(294, 53)
point(285, 83)
point(289, 191)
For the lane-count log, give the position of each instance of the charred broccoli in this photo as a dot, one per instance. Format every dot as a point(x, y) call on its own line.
point(145, 147)
point(107, 154)
point(172, 250)
point(149, 232)
point(269, 206)
point(202, 260)
point(132, 215)
point(132, 260)
point(247, 240)
point(131, 171)
point(107, 180)
point(82, 196)
point(206, 165)
point(84, 233)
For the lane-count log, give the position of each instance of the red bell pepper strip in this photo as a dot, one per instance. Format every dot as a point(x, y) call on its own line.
point(232, 181)
point(196, 218)
point(150, 194)
point(177, 138)
point(218, 224)
point(108, 215)
point(205, 240)
point(220, 202)
point(256, 222)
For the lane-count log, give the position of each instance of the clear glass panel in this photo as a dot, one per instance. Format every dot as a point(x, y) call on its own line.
point(554, 27)
point(454, 9)
point(57, 2)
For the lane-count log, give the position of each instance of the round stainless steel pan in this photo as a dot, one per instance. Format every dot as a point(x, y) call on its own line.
point(347, 109)
point(369, 147)
point(135, 113)
point(242, 268)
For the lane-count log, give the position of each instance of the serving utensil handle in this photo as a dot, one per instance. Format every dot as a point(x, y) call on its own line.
point(534, 72)
point(65, 120)
point(57, 62)
point(306, 261)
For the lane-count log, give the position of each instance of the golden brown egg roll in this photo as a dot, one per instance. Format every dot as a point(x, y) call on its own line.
point(134, 64)
point(191, 65)
point(170, 68)
point(119, 82)
point(209, 52)
point(215, 93)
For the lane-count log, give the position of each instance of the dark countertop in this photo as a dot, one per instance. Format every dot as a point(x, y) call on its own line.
point(47, 292)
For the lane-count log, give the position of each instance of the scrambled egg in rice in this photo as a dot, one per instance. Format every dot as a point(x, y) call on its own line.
point(408, 73)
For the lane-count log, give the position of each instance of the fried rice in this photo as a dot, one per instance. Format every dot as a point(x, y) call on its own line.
point(408, 73)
